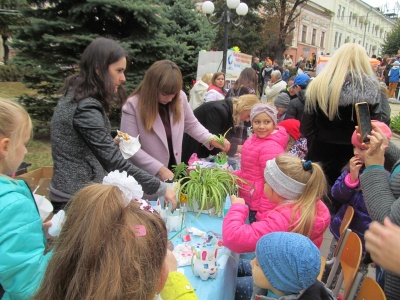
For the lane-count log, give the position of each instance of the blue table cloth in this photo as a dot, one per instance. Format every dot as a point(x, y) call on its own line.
point(223, 286)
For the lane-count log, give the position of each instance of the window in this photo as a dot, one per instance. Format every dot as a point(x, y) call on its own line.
point(304, 34)
point(370, 49)
point(373, 28)
point(356, 23)
point(322, 42)
point(350, 17)
point(314, 34)
point(336, 39)
point(343, 12)
point(340, 40)
point(354, 40)
point(338, 11)
point(366, 46)
point(369, 25)
point(359, 42)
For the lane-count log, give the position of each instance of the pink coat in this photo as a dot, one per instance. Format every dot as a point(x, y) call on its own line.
point(255, 154)
point(240, 237)
point(154, 151)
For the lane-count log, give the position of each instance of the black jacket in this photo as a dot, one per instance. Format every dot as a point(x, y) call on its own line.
point(84, 151)
point(296, 106)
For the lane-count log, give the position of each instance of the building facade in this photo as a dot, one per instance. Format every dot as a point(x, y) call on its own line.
point(354, 21)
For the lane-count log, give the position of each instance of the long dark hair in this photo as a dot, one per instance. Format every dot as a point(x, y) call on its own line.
point(93, 79)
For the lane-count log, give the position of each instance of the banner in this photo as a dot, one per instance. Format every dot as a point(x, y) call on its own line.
point(212, 62)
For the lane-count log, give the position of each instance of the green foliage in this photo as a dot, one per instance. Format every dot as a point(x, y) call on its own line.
point(392, 42)
point(9, 73)
point(395, 123)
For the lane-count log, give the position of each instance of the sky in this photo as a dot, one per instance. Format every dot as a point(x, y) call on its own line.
point(391, 4)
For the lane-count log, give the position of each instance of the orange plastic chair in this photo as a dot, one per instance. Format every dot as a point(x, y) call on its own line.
point(370, 290)
point(322, 268)
point(334, 262)
point(349, 261)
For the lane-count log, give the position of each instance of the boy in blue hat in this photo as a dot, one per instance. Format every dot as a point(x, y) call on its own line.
point(296, 105)
point(286, 267)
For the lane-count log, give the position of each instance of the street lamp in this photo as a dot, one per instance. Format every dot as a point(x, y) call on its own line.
point(241, 10)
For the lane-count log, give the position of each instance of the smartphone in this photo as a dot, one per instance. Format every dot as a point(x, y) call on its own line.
point(363, 120)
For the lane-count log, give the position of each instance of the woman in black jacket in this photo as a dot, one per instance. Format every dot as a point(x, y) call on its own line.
point(82, 147)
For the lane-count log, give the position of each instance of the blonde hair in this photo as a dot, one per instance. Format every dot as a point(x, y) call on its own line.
point(350, 61)
point(242, 103)
point(164, 77)
point(207, 78)
point(14, 120)
point(99, 256)
point(315, 188)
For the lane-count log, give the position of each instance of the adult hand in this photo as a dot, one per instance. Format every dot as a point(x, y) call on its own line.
point(235, 199)
point(171, 261)
point(170, 197)
point(378, 143)
point(224, 148)
point(383, 242)
point(164, 173)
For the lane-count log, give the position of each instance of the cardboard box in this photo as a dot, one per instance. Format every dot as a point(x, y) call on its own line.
point(38, 180)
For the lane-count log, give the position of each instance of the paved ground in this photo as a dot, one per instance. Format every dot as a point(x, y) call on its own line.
point(395, 110)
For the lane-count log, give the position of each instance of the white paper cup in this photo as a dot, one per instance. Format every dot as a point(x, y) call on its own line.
point(45, 207)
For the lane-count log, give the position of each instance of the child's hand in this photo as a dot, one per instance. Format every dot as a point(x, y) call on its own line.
point(235, 199)
point(46, 227)
point(355, 166)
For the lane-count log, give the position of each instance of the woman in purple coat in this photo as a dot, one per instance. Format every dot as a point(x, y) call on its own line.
point(159, 112)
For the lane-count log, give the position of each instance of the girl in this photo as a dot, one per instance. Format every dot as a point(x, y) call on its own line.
point(216, 90)
point(161, 115)
point(267, 142)
point(296, 187)
point(296, 145)
point(82, 147)
point(220, 117)
point(112, 247)
point(246, 83)
point(22, 240)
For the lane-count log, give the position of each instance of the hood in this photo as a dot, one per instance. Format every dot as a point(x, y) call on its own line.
point(302, 96)
point(268, 68)
point(353, 91)
point(395, 67)
point(200, 86)
point(9, 185)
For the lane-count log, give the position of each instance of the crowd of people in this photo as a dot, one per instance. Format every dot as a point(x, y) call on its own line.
point(299, 154)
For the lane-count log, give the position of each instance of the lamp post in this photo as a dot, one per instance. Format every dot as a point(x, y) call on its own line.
point(241, 10)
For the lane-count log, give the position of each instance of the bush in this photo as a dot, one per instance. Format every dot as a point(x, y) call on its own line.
point(395, 123)
point(9, 73)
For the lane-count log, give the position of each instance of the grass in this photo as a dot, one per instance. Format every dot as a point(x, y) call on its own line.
point(39, 150)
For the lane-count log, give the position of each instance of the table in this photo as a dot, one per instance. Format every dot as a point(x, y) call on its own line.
point(224, 285)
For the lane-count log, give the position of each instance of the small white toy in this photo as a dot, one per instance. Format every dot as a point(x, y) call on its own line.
point(57, 221)
point(205, 262)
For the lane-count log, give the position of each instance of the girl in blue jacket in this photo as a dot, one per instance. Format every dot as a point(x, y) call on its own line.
point(22, 240)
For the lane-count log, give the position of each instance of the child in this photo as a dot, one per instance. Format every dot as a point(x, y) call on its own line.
point(22, 240)
point(296, 187)
point(347, 190)
point(287, 264)
point(112, 247)
point(296, 145)
point(267, 142)
point(281, 103)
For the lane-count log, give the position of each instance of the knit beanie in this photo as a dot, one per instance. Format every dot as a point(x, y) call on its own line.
point(382, 126)
point(282, 100)
point(292, 127)
point(290, 261)
point(264, 108)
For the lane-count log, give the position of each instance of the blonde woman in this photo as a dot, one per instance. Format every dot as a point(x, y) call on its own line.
point(219, 117)
point(199, 90)
point(329, 117)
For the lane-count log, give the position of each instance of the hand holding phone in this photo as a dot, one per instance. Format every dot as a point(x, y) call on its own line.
point(364, 121)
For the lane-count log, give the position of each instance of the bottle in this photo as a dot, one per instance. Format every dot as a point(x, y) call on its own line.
point(227, 204)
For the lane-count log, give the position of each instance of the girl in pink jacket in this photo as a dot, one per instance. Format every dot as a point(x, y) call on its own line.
point(296, 187)
point(267, 142)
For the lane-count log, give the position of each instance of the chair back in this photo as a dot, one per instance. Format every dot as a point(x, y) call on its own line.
point(370, 290)
point(350, 261)
point(347, 218)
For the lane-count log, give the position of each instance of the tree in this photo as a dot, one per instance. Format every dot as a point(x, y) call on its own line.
point(392, 41)
point(282, 14)
point(248, 35)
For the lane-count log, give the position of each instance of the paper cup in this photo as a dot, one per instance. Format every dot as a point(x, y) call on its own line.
point(45, 207)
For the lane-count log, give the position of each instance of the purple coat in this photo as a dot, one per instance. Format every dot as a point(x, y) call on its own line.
point(350, 196)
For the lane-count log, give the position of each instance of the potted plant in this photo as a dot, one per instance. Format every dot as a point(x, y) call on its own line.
point(208, 187)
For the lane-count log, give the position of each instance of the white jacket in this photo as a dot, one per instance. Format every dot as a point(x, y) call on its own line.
point(272, 91)
point(213, 95)
point(197, 94)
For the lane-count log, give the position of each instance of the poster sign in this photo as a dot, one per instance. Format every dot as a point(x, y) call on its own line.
point(212, 62)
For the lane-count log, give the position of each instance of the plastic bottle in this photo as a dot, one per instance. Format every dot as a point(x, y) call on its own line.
point(227, 204)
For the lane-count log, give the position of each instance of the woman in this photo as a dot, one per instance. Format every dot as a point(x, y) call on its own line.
point(329, 116)
point(82, 147)
point(246, 83)
point(220, 117)
point(216, 89)
point(199, 90)
point(159, 112)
